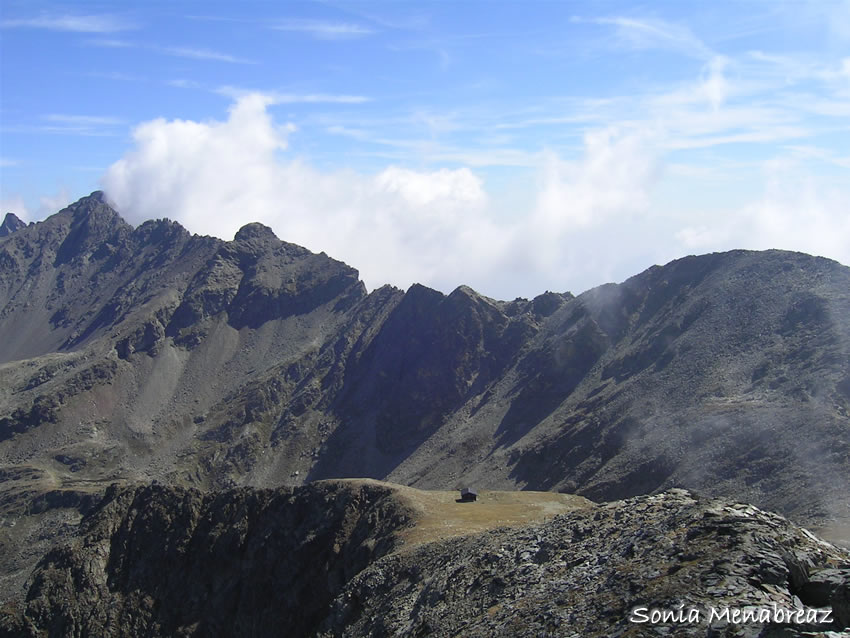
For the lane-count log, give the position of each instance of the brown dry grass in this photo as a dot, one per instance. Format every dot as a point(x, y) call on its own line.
point(837, 533)
point(437, 515)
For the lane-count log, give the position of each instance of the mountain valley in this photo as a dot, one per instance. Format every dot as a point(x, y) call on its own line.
point(158, 384)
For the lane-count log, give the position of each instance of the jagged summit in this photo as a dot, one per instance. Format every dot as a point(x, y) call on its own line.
point(92, 204)
point(11, 223)
point(255, 230)
point(149, 353)
point(85, 271)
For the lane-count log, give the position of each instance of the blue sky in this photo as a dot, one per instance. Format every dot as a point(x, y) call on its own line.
point(511, 146)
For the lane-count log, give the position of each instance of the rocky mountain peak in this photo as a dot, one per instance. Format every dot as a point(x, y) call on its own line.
point(255, 231)
point(155, 231)
point(546, 304)
point(94, 225)
point(10, 224)
point(94, 203)
point(154, 354)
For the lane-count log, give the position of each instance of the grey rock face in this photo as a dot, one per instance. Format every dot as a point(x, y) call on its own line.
point(597, 572)
point(840, 602)
point(819, 588)
point(159, 561)
point(10, 224)
point(326, 560)
point(138, 354)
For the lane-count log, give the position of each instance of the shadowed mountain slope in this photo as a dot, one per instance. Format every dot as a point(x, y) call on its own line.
point(133, 354)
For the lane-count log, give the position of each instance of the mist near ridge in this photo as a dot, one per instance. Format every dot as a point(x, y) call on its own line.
point(576, 223)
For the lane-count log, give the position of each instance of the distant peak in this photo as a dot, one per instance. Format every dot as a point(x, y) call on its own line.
point(547, 303)
point(10, 224)
point(96, 203)
point(92, 222)
point(465, 295)
point(254, 230)
point(96, 198)
point(464, 290)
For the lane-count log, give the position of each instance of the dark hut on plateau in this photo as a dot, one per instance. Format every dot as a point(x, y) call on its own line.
point(468, 495)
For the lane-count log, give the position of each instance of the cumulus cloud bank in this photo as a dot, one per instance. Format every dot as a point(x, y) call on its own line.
point(585, 221)
point(795, 211)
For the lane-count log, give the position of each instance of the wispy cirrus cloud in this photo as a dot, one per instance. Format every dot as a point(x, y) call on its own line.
point(112, 43)
point(114, 75)
point(71, 124)
point(196, 53)
point(276, 97)
point(94, 23)
point(179, 51)
point(318, 98)
point(324, 30)
point(47, 205)
point(647, 33)
point(183, 83)
point(813, 152)
point(84, 120)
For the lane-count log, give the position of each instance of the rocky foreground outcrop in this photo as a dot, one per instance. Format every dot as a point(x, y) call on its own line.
point(329, 560)
point(158, 561)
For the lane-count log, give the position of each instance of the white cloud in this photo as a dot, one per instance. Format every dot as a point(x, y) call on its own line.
point(74, 23)
point(203, 54)
point(199, 172)
point(714, 87)
point(83, 120)
point(324, 30)
point(592, 198)
point(46, 206)
point(610, 179)
point(813, 152)
point(50, 204)
point(114, 75)
point(275, 97)
point(182, 83)
point(111, 43)
point(796, 211)
point(438, 227)
point(646, 33)
point(421, 189)
point(799, 211)
point(586, 220)
point(190, 52)
point(14, 204)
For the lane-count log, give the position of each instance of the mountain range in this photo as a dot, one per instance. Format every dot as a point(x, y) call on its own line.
point(132, 355)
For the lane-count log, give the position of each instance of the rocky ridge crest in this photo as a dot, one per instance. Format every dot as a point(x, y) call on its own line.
point(139, 354)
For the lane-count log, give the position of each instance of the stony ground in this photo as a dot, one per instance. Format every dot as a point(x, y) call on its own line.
point(364, 558)
point(584, 573)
